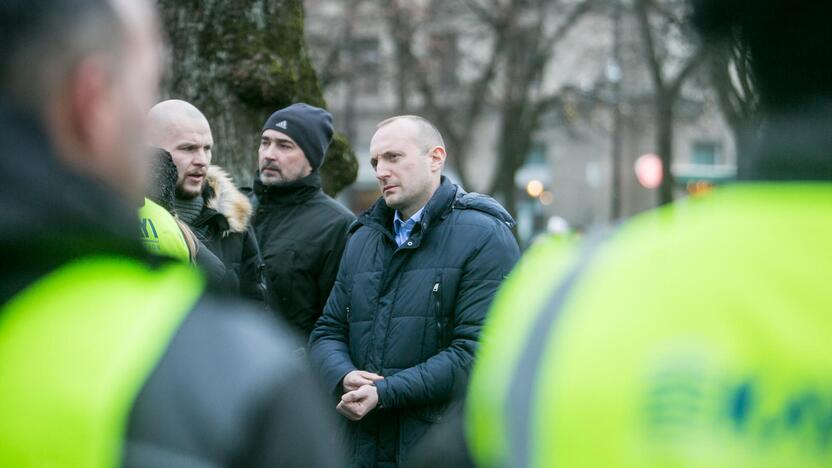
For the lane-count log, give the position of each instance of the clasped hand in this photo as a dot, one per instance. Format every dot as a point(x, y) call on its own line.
point(360, 394)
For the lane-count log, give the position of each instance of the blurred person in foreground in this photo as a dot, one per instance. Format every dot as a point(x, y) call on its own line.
point(107, 358)
point(301, 231)
point(206, 198)
point(161, 232)
point(397, 338)
point(697, 334)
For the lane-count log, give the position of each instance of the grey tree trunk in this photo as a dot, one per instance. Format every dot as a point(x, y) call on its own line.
point(238, 61)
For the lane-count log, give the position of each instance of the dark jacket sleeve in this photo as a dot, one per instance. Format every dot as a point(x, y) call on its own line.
point(295, 428)
point(252, 281)
point(329, 342)
point(445, 373)
point(229, 391)
point(211, 266)
point(332, 259)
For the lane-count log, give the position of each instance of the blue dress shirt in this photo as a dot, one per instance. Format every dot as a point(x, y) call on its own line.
point(402, 229)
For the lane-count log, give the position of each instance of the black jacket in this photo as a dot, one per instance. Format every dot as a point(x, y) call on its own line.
point(224, 227)
point(301, 233)
point(412, 314)
point(226, 392)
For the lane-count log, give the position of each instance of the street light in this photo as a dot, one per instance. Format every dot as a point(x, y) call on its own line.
point(534, 188)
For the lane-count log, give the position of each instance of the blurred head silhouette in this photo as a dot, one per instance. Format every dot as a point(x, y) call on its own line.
point(88, 71)
point(789, 42)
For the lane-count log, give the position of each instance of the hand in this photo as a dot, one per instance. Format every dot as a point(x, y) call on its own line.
point(357, 403)
point(359, 378)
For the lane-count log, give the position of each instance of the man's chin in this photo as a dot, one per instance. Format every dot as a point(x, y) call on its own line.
point(270, 179)
point(188, 192)
point(392, 202)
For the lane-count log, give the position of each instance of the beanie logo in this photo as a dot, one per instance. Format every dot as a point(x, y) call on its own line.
point(281, 124)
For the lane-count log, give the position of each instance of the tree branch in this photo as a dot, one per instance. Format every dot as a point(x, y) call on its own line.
point(689, 67)
point(646, 31)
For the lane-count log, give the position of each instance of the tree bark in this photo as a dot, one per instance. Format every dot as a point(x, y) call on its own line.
point(238, 61)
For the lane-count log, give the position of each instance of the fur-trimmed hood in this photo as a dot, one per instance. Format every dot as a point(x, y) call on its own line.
point(223, 197)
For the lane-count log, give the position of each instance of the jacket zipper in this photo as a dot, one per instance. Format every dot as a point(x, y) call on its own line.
point(437, 307)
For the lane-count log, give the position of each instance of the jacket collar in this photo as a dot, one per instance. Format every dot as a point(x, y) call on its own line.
point(380, 216)
point(295, 192)
point(226, 208)
point(792, 145)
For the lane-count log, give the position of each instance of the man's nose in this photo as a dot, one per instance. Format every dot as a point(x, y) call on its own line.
point(382, 172)
point(201, 158)
point(270, 154)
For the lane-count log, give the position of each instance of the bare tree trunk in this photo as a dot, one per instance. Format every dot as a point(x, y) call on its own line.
point(664, 145)
point(665, 93)
point(239, 61)
point(615, 144)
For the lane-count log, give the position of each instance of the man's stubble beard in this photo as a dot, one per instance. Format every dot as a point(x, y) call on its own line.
point(181, 193)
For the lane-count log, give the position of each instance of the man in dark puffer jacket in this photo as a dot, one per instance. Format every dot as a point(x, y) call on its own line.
point(399, 331)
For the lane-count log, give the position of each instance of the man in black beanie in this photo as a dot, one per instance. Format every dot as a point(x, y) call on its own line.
point(301, 231)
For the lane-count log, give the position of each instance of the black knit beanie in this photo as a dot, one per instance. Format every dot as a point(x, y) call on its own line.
point(309, 126)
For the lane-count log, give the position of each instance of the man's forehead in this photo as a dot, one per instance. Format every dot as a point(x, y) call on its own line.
point(192, 136)
point(389, 138)
point(275, 135)
point(190, 126)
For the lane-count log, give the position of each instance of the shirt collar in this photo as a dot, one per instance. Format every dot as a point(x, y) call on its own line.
point(417, 216)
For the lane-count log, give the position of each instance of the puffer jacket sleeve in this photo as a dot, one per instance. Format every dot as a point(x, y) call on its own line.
point(252, 282)
point(445, 374)
point(329, 341)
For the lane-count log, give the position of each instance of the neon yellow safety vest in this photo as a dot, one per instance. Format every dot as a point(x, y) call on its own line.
point(160, 234)
point(75, 349)
point(697, 335)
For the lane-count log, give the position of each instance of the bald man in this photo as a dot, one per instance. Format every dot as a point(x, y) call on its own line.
point(108, 358)
point(399, 331)
point(207, 200)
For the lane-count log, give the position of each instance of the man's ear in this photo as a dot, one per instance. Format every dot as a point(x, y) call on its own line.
point(437, 158)
point(88, 95)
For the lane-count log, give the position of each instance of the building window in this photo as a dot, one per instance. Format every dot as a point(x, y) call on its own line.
point(366, 61)
point(537, 154)
point(706, 153)
point(443, 57)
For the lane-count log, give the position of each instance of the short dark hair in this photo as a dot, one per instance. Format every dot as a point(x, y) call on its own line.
point(42, 40)
point(789, 42)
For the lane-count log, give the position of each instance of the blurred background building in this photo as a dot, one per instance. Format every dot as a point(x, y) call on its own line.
point(550, 106)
